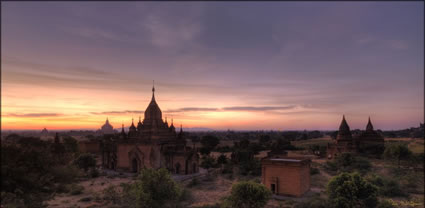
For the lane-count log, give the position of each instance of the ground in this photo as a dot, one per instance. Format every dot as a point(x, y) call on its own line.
point(212, 189)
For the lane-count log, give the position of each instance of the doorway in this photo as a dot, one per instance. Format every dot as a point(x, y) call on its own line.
point(134, 166)
point(178, 168)
point(273, 188)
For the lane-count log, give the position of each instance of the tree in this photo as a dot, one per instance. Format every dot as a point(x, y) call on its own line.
point(351, 190)
point(153, 189)
point(85, 161)
point(248, 194)
point(207, 162)
point(209, 142)
point(71, 144)
point(398, 152)
point(222, 159)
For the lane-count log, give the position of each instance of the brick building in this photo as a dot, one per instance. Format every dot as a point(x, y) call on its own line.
point(286, 175)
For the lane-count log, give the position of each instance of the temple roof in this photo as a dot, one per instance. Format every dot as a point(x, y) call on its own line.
point(344, 130)
point(153, 112)
point(369, 126)
point(107, 125)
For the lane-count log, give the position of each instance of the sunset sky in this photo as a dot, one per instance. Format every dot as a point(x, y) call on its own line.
point(219, 65)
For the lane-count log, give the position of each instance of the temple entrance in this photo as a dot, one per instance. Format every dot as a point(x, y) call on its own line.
point(178, 168)
point(194, 168)
point(273, 188)
point(134, 166)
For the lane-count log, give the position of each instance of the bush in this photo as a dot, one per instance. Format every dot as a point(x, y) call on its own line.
point(153, 188)
point(250, 167)
point(65, 174)
point(351, 190)
point(391, 188)
point(94, 173)
point(314, 171)
point(227, 168)
point(386, 187)
point(248, 194)
point(85, 161)
point(111, 194)
point(76, 189)
point(222, 159)
point(193, 182)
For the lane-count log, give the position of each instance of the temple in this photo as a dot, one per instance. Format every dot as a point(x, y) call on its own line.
point(152, 144)
point(368, 141)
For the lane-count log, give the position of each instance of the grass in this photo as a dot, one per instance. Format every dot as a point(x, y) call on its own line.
point(417, 146)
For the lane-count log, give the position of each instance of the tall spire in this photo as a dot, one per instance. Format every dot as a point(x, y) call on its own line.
point(344, 126)
point(181, 128)
point(139, 119)
point(369, 126)
point(153, 90)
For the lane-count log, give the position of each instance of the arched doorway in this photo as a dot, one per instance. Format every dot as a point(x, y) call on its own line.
point(134, 165)
point(178, 168)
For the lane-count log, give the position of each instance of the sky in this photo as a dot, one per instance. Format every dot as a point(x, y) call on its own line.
point(218, 65)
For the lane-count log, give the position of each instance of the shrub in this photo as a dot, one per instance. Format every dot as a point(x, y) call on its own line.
point(351, 190)
point(65, 173)
point(193, 182)
point(250, 167)
point(94, 173)
point(111, 194)
point(248, 194)
point(314, 171)
point(222, 159)
point(397, 152)
point(153, 188)
point(227, 168)
point(76, 189)
point(85, 161)
point(391, 188)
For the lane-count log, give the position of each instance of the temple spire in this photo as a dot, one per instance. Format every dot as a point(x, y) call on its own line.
point(369, 126)
point(153, 90)
point(181, 128)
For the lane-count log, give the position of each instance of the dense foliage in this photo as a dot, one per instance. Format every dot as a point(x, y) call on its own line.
point(248, 194)
point(347, 162)
point(397, 152)
point(208, 142)
point(31, 171)
point(351, 190)
point(85, 161)
point(152, 189)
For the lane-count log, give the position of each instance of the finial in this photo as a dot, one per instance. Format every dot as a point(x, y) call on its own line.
point(139, 119)
point(132, 120)
point(153, 86)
